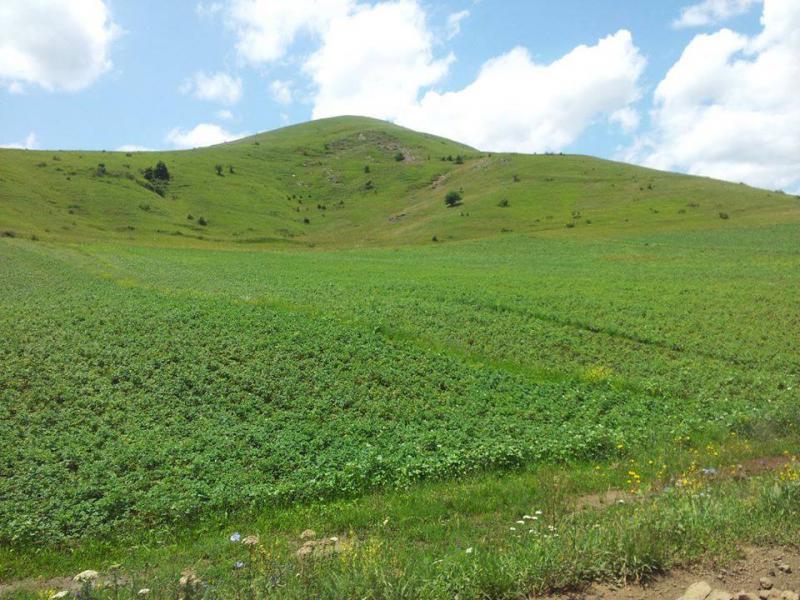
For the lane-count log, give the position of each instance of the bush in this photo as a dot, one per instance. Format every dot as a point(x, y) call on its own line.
point(369, 185)
point(307, 221)
point(399, 157)
point(202, 221)
point(504, 203)
point(459, 160)
point(101, 170)
point(366, 168)
point(230, 170)
point(724, 215)
point(161, 172)
point(218, 169)
point(452, 199)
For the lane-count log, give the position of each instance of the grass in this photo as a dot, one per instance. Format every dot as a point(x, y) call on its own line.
point(159, 390)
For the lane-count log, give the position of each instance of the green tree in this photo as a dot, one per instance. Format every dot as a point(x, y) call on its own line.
point(452, 199)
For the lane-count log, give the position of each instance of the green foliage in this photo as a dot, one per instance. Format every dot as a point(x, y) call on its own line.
point(218, 169)
point(452, 198)
point(399, 157)
point(504, 203)
point(161, 172)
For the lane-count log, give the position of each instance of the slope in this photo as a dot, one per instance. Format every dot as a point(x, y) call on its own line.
point(341, 182)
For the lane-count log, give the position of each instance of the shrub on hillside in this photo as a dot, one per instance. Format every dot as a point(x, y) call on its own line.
point(504, 203)
point(399, 157)
point(452, 199)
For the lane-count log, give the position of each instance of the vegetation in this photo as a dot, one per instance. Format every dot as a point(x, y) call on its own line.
point(167, 382)
point(452, 198)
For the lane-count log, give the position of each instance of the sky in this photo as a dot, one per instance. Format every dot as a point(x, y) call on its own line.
point(708, 87)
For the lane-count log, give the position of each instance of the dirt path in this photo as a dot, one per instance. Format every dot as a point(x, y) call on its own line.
point(762, 574)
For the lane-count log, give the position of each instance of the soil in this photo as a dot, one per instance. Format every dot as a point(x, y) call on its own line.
point(742, 576)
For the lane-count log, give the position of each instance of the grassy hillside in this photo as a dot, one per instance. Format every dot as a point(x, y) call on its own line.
point(579, 326)
point(307, 185)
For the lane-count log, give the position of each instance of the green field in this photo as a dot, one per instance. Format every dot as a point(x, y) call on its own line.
point(327, 353)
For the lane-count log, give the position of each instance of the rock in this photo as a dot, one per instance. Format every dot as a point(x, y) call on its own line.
point(61, 594)
point(251, 541)
point(189, 580)
point(764, 594)
point(86, 576)
point(697, 591)
point(784, 568)
point(789, 595)
point(143, 592)
point(744, 596)
point(720, 595)
point(765, 583)
point(308, 534)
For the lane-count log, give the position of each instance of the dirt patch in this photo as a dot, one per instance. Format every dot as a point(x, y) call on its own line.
point(603, 500)
point(757, 466)
point(36, 584)
point(761, 573)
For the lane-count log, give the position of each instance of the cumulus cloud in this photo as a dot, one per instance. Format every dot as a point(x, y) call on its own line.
point(217, 87)
point(377, 59)
point(729, 107)
point(204, 134)
point(374, 61)
point(519, 105)
point(281, 91)
point(224, 114)
point(710, 12)
point(266, 28)
point(55, 44)
point(28, 144)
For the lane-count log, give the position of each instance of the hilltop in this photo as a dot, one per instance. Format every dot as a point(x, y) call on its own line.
point(354, 181)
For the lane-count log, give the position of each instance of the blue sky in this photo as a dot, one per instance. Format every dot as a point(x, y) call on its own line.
point(621, 79)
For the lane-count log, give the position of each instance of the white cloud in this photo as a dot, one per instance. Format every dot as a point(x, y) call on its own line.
point(56, 44)
point(710, 12)
point(266, 28)
point(28, 144)
point(218, 87)
point(281, 91)
point(729, 107)
point(627, 118)
point(224, 114)
point(204, 134)
point(134, 148)
point(375, 61)
point(516, 104)
point(454, 23)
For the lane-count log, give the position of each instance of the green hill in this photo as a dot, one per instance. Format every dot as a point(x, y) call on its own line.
point(445, 395)
point(307, 185)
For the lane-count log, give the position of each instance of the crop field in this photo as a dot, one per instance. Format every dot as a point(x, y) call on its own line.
point(153, 383)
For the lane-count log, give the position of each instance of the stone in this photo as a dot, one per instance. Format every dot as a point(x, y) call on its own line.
point(765, 583)
point(308, 534)
point(720, 595)
point(744, 596)
point(784, 568)
point(86, 576)
point(697, 591)
point(789, 595)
